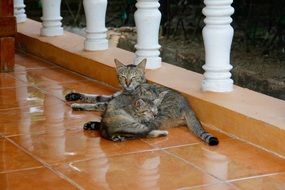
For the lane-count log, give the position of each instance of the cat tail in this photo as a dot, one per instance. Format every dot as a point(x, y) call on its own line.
point(92, 125)
point(194, 124)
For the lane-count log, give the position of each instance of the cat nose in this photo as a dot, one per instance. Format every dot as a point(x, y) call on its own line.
point(128, 82)
point(154, 113)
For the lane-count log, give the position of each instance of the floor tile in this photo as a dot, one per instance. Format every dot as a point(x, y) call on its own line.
point(180, 136)
point(25, 62)
point(65, 146)
point(20, 97)
point(147, 170)
point(35, 179)
point(34, 115)
point(49, 119)
point(24, 96)
point(85, 86)
point(46, 77)
point(12, 158)
point(218, 186)
point(231, 159)
point(274, 182)
point(8, 81)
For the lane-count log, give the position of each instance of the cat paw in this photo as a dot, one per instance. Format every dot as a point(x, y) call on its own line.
point(118, 138)
point(72, 96)
point(92, 125)
point(163, 134)
point(157, 133)
point(76, 107)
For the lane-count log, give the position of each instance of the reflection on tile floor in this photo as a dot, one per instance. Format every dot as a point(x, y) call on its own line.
point(42, 138)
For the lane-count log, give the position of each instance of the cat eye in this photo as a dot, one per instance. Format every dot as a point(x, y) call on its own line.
point(122, 77)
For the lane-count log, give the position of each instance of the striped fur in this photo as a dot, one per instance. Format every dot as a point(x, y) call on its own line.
point(174, 109)
point(128, 118)
point(90, 102)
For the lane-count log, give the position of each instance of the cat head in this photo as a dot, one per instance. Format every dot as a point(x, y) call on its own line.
point(145, 109)
point(130, 76)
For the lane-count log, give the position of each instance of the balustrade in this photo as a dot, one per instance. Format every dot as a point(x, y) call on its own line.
point(19, 11)
point(217, 36)
point(147, 19)
point(51, 19)
point(96, 32)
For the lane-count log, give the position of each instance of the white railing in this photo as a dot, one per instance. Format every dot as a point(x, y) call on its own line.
point(147, 19)
point(51, 25)
point(19, 11)
point(217, 34)
point(96, 32)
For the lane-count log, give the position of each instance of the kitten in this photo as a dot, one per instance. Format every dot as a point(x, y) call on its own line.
point(173, 111)
point(129, 119)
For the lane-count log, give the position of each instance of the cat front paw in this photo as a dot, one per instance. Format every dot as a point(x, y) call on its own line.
point(76, 107)
point(163, 134)
point(92, 125)
point(72, 96)
point(157, 133)
point(118, 138)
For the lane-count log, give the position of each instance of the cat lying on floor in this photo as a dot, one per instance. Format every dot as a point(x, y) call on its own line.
point(173, 110)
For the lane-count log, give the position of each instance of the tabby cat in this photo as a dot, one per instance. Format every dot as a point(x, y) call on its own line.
point(173, 111)
point(126, 118)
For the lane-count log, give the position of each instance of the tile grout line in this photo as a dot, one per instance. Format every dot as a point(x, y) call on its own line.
point(229, 182)
point(198, 168)
point(20, 170)
point(194, 165)
point(208, 185)
point(115, 155)
point(43, 132)
point(244, 141)
point(253, 177)
point(46, 165)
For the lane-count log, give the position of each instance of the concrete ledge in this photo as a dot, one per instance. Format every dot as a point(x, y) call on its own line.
point(251, 116)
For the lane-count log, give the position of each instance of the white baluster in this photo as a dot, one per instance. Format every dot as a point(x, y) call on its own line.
point(217, 35)
point(96, 32)
point(19, 11)
point(51, 25)
point(147, 19)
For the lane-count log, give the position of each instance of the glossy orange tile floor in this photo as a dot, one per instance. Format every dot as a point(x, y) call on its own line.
point(43, 146)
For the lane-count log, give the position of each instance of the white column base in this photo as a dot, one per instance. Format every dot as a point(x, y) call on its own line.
point(218, 85)
point(151, 54)
point(152, 62)
point(19, 11)
point(52, 31)
point(217, 36)
point(20, 15)
point(51, 19)
point(147, 19)
point(96, 32)
point(95, 45)
point(21, 18)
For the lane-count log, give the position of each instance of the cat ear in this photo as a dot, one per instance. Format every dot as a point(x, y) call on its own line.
point(162, 94)
point(118, 64)
point(139, 103)
point(157, 101)
point(160, 97)
point(142, 64)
